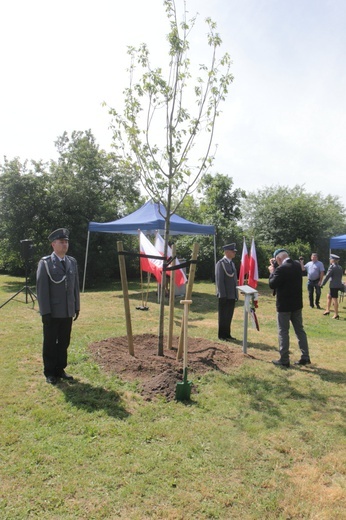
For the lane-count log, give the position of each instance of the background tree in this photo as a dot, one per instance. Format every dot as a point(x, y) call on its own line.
point(280, 216)
point(84, 184)
point(90, 185)
point(23, 204)
point(221, 205)
point(218, 203)
point(167, 115)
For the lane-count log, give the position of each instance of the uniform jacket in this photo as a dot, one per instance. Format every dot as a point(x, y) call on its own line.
point(226, 279)
point(286, 280)
point(334, 274)
point(57, 291)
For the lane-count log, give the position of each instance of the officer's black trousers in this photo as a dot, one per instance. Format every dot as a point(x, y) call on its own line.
point(56, 339)
point(226, 310)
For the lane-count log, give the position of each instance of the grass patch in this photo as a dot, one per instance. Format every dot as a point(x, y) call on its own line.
point(259, 443)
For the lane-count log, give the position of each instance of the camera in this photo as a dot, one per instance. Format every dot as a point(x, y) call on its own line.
point(274, 263)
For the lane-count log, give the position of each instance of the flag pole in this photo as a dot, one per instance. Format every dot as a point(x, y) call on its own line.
point(144, 306)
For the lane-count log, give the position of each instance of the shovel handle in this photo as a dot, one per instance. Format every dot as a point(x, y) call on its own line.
point(186, 313)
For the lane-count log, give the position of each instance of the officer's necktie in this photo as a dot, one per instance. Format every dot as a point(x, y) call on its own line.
point(63, 265)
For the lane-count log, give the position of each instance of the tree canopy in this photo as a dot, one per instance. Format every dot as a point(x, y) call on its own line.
point(166, 128)
point(218, 203)
point(280, 215)
point(84, 184)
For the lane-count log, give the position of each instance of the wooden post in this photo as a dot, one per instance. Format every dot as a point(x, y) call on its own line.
point(171, 303)
point(126, 297)
point(190, 283)
point(186, 304)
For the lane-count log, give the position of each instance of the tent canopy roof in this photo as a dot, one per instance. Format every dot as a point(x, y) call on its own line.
point(338, 242)
point(149, 218)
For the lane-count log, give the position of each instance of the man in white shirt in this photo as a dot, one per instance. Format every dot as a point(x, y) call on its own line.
point(315, 273)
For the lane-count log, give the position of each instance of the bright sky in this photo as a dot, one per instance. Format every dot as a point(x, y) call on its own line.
point(284, 118)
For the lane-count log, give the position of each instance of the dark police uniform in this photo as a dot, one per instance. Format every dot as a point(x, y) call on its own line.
point(226, 287)
point(59, 301)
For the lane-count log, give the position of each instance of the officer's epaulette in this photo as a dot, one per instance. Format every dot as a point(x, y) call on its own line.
point(45, 257)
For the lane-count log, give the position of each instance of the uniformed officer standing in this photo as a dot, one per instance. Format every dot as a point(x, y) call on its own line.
point(226, 283)
point(334, 274)
point(59, 303)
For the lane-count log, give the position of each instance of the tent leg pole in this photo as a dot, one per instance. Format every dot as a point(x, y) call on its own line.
point(86, 261)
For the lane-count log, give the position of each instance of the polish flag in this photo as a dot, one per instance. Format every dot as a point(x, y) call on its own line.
point(253, 267)
point(150, 265)
point(180, 276)
point(244, 266)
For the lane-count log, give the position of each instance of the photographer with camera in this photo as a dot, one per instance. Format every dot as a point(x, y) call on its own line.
point(285, 277)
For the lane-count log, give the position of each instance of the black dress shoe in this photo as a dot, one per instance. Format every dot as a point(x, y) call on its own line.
point(303, 362)
point(51, 380)
point(318, 306)
point(279, 363)
point(63, 375)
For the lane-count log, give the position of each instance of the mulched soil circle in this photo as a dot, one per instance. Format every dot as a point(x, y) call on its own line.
point(158, 375)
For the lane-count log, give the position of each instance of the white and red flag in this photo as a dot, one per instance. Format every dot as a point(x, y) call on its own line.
point(150, 265)
point(244, 266)
point(180, 276)
point(253, 267)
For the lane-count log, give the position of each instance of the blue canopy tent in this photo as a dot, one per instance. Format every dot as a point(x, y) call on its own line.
point(149, 218)
point(338, 242)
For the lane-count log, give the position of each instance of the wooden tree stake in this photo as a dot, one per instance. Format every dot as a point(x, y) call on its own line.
point(126, 297)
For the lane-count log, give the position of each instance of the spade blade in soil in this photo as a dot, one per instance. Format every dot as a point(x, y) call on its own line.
point(183, 390)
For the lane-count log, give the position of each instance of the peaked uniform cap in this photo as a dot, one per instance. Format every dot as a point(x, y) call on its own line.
point(229, 247)
point(58, 234)
point(335, 257)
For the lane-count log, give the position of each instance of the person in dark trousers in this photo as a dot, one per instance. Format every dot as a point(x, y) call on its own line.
point(315, 273)
point(226, 283)
point(59, 302)
point(334, 275)
point(285, 277)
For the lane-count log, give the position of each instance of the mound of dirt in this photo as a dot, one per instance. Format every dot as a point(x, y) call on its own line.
point(158, 375)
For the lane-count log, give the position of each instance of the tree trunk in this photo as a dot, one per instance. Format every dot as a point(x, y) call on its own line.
point(163, 281)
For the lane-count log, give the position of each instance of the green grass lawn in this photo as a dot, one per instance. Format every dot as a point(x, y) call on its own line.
point(259, 443)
